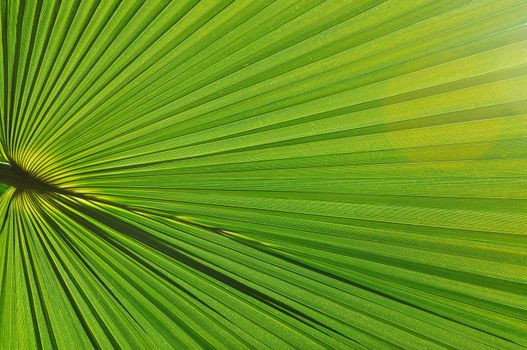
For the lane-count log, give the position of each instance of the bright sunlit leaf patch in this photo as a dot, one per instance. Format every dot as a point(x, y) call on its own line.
point(263, 174)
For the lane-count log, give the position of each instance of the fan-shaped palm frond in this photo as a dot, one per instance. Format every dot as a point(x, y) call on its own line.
point(263, 174)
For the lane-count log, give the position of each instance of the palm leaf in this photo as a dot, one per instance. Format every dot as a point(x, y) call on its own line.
point(263, 174)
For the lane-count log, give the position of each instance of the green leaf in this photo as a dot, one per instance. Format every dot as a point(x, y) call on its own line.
point(263, 174)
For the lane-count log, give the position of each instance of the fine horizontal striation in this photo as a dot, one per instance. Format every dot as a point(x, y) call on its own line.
point(264, 174)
